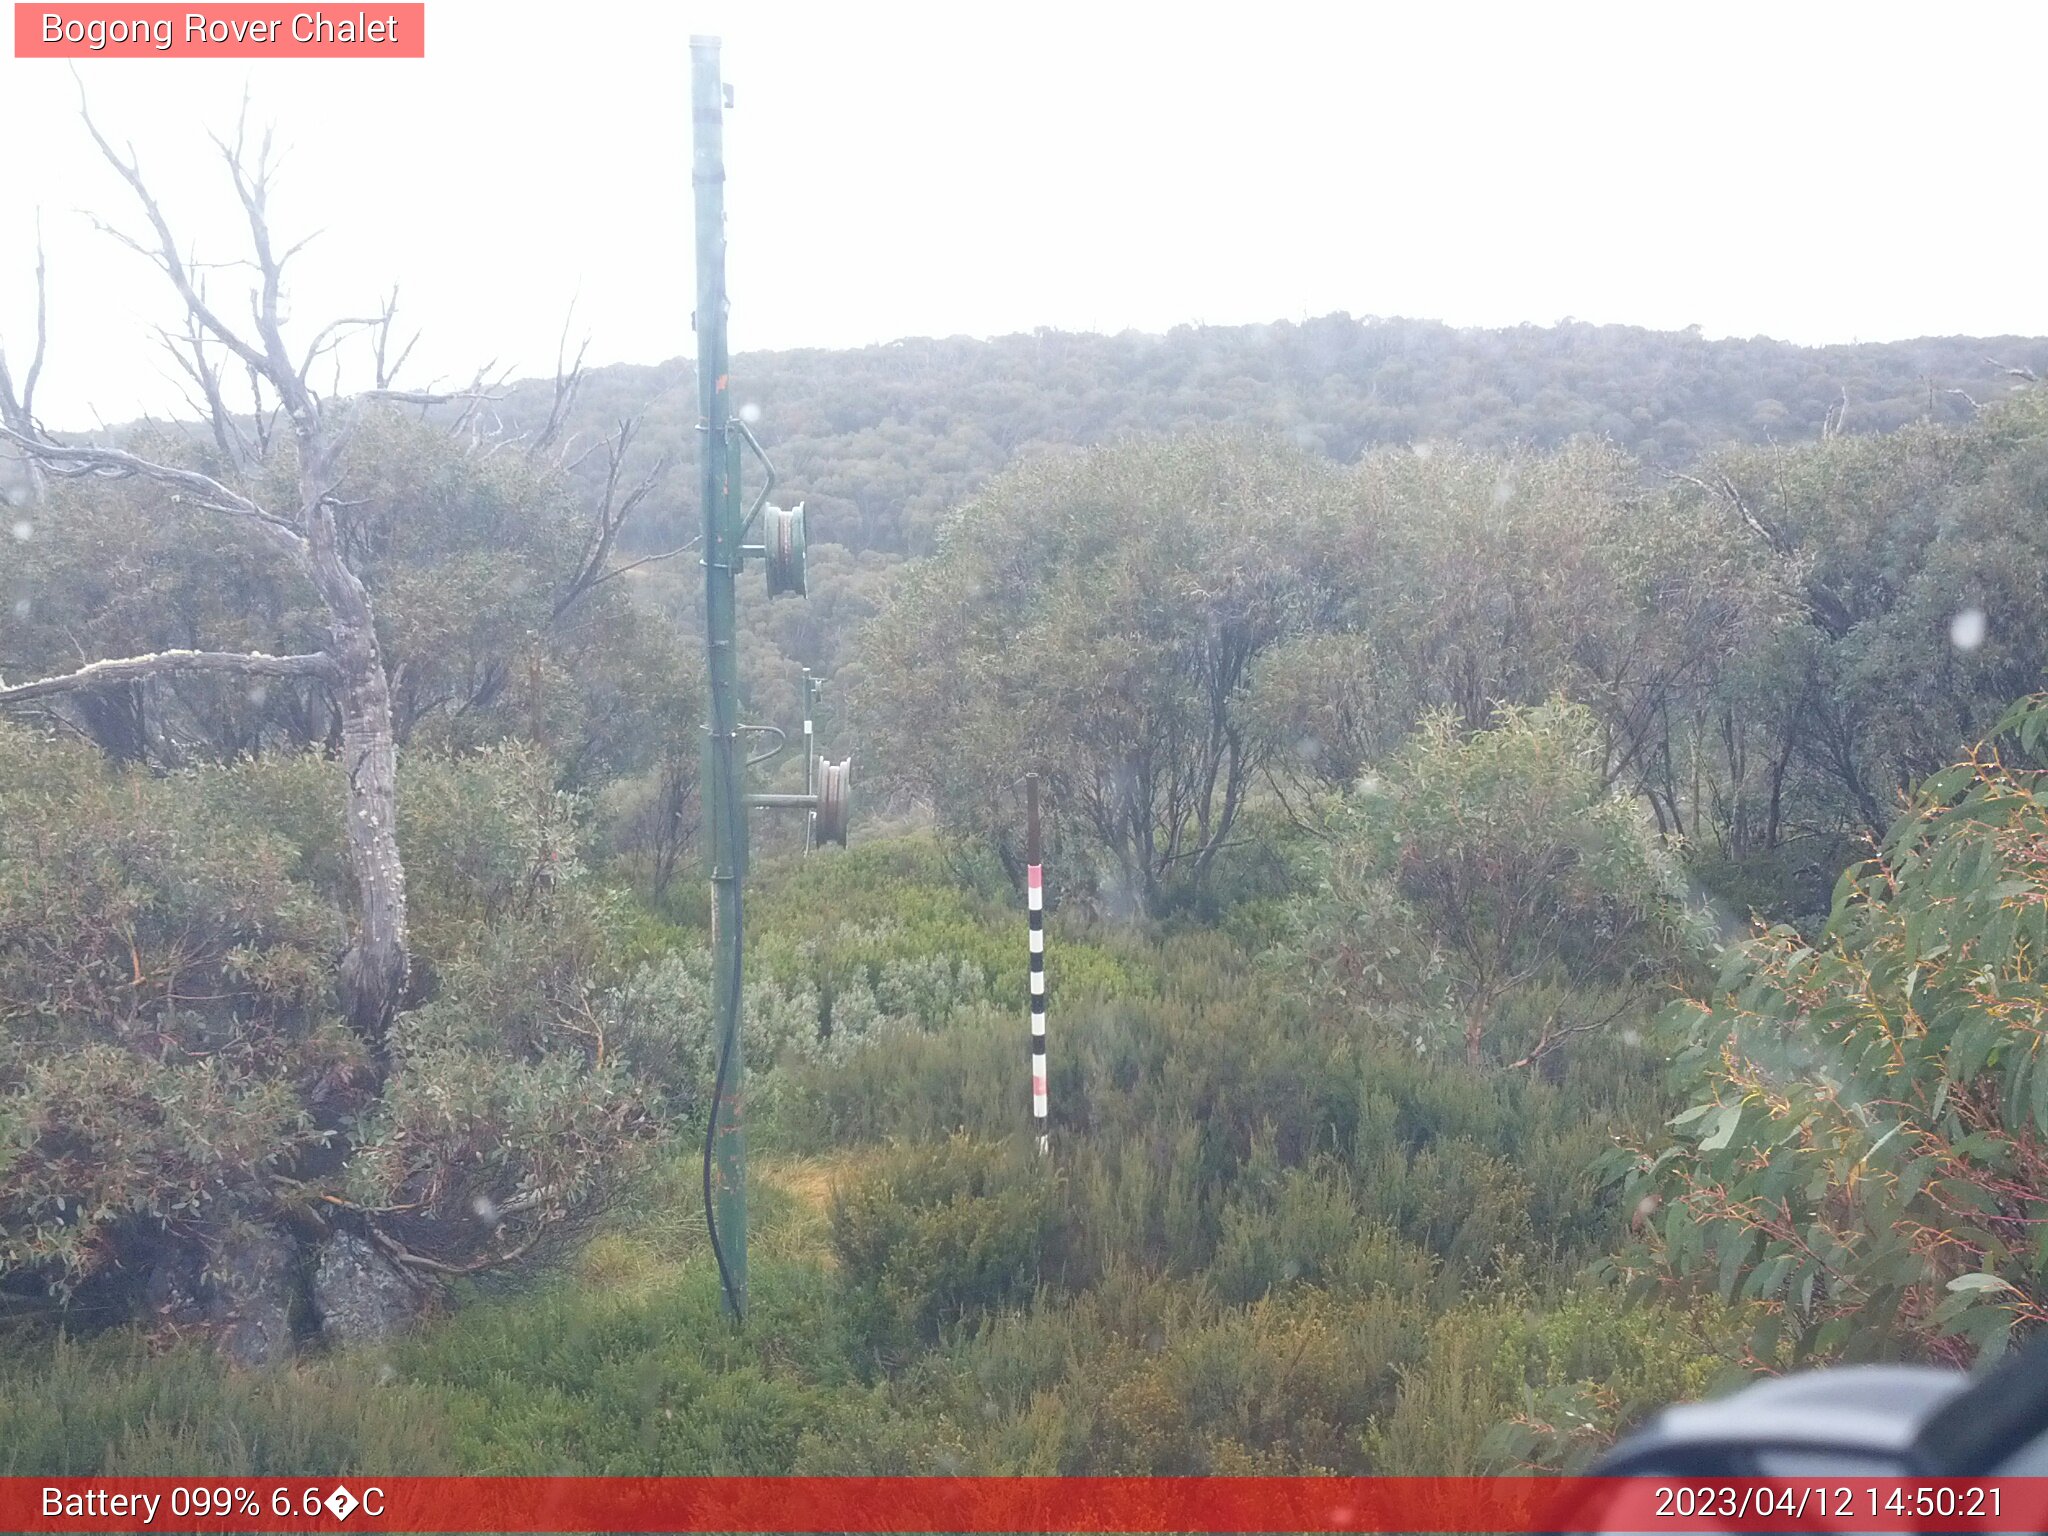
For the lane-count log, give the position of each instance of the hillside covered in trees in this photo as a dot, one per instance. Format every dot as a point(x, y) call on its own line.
point(882, 441)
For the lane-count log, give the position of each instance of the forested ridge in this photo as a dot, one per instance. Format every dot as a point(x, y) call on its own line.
point(1544, 853)
point(883, 440)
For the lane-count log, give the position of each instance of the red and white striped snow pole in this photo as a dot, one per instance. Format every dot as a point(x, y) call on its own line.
point(1034, 900)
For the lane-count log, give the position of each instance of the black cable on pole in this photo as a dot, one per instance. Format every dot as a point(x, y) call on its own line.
point(725, 1280)
point(710, 1137)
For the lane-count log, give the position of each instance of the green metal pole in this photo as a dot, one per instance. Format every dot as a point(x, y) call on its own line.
point(725, 813)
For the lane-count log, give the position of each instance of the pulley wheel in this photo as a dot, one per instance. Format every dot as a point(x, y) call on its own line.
point(782, 533)
point(835, 797)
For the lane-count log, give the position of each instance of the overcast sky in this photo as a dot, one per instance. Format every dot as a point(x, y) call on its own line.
point(1816, 172)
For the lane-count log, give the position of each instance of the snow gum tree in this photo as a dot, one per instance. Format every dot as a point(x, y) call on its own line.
point(253, 1079)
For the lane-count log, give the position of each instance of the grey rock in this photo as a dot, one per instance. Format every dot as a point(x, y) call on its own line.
point(176, 1290)
point(358, 1297)
point(249, 1305)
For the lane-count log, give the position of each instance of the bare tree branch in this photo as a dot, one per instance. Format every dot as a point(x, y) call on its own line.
point(634, 565)
point(427, 396)
point(568, 383)
point(612, 512)
point(1727, 491)
point(35, 366)
point(165, 254)
point(190, 355)
point(1552, 1038)
point(165, 663)
point(18, 411)
point(387, 370)
point(253, 188)
point(1831, 423)
point(332, 335)
point(118, 464)
point(400, 1254)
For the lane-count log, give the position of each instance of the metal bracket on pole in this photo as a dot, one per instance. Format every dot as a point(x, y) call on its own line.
point(767, 470)
point(781, 743)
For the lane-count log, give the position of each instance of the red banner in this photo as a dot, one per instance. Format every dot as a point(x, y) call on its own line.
point(1003, 1504)
point(229, 31)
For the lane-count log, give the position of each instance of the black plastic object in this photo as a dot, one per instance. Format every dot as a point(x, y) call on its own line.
point(1874, 1420)
point(1999, 1425)
point(1859, 1420)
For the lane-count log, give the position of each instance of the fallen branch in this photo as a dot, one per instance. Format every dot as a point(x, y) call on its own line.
point(164, 663)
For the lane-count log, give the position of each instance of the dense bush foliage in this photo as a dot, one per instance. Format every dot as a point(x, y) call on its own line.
point(1097, 619)
point(1916, 555)
point(1262, 1243)
point(1771, 651)
point(1474, 872)
point(944, 1232)
point(165, 978)
point(177, 1077)
point(1867, 1150)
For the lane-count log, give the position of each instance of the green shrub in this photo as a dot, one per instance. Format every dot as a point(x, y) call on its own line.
point(1302, 1227)
point(1527, 1380)
point(109, 1408)
point(1474, 863)
point(175, 1072)
point(940, 1234)
point(1866, 1152)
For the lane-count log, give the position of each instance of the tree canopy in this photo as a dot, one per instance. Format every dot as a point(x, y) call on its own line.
point(1866, 1151)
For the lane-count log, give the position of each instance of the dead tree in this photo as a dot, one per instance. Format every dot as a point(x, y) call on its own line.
point(304, 534)
point(18, 402)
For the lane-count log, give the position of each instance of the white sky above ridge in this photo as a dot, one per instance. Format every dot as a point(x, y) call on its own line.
point(1821, 172)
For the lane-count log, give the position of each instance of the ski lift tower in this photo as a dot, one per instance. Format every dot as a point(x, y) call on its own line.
point(723, 442)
